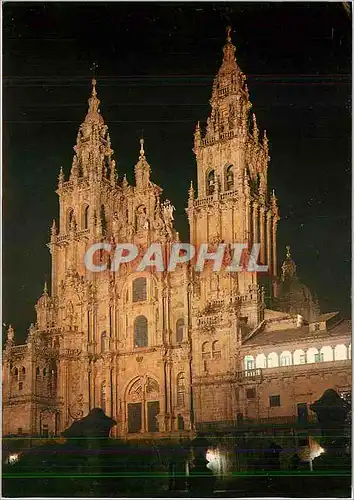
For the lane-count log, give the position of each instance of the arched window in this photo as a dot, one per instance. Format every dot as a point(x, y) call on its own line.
point(249, 362)
point(261, 361)
point(311, 355)
point(52, 378)
point(216, 350)
point(103, 219)
point(22, 373)
point(285, 358)
point(103, 396)
point(272, 360)
point(180, 423)
point(103, 341)
point(229, 178)
point(340, 352)
point(299, 357)
point(206, 354)
point(69, 218)
point(179, 329)
point(140, 332)
point(15, 373)
point(139, 290)
point(85, 221)
point(38, 372)
point(327, 353)
point(210, 182)
point(181, 390)
point(44, 372)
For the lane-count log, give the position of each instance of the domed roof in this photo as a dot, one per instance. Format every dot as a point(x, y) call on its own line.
point(293, 296)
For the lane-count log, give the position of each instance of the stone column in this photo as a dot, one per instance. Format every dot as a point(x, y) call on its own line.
point(109, 395)
point(269, 255)
point(255, 222)
point(247, 221)
point(274, 242)
point(261, 227)
point(144, 426)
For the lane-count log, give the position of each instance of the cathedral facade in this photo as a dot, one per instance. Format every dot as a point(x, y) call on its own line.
point(165, 353)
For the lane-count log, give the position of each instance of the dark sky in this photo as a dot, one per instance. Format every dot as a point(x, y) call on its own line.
point(156, 62)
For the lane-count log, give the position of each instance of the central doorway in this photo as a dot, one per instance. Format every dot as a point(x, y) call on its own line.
point(143, 406)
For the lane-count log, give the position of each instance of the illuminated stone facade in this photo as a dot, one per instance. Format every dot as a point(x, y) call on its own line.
point(164, 353)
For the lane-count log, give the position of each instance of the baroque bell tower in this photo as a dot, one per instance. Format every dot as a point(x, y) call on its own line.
point(232, 203)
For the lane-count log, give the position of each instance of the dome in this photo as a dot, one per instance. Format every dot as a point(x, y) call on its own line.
point(293, 296)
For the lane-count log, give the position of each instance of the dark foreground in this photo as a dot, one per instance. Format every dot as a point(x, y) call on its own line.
point(127, 470)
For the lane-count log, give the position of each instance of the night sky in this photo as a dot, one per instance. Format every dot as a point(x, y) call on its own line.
point(156, 63)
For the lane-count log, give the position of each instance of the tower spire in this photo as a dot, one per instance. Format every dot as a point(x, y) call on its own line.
point(142, 152)
point(229, 101)
point(93, 147)
point(142, 168)
point(229, 60)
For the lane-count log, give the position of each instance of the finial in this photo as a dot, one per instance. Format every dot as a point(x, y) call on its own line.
point(228, 34)
point(288, 255)
point(10, 333)
point(113, 172)
point(61, 175)
point(191, 191)
point(255, 128)
point(142, 152)
point(289, 267)
point(31, 333)
point(94, 83)
point(45, 289)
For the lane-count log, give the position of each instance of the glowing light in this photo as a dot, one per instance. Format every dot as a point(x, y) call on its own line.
point(316, 452)
point(217, 462)
point(210, 455)
point(13, 458)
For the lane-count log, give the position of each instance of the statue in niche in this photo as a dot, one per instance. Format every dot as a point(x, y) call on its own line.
point(142, 222)
point(168, 215)
point(158, 223)
point(116, 223)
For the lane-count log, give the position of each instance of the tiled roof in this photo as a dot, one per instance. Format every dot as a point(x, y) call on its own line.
point(268, 337)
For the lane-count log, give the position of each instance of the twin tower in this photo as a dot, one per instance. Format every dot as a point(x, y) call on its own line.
point(145, 346)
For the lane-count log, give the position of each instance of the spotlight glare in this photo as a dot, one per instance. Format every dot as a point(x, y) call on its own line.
point(13, 458)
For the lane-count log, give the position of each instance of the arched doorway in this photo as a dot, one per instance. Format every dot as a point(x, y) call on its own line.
point(143, 406)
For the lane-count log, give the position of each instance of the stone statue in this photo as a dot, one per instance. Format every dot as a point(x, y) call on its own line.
point(168, 209)
point(141, 219)
point(116, 222)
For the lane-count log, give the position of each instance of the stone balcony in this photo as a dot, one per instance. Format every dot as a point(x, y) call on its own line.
point(249, 375)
